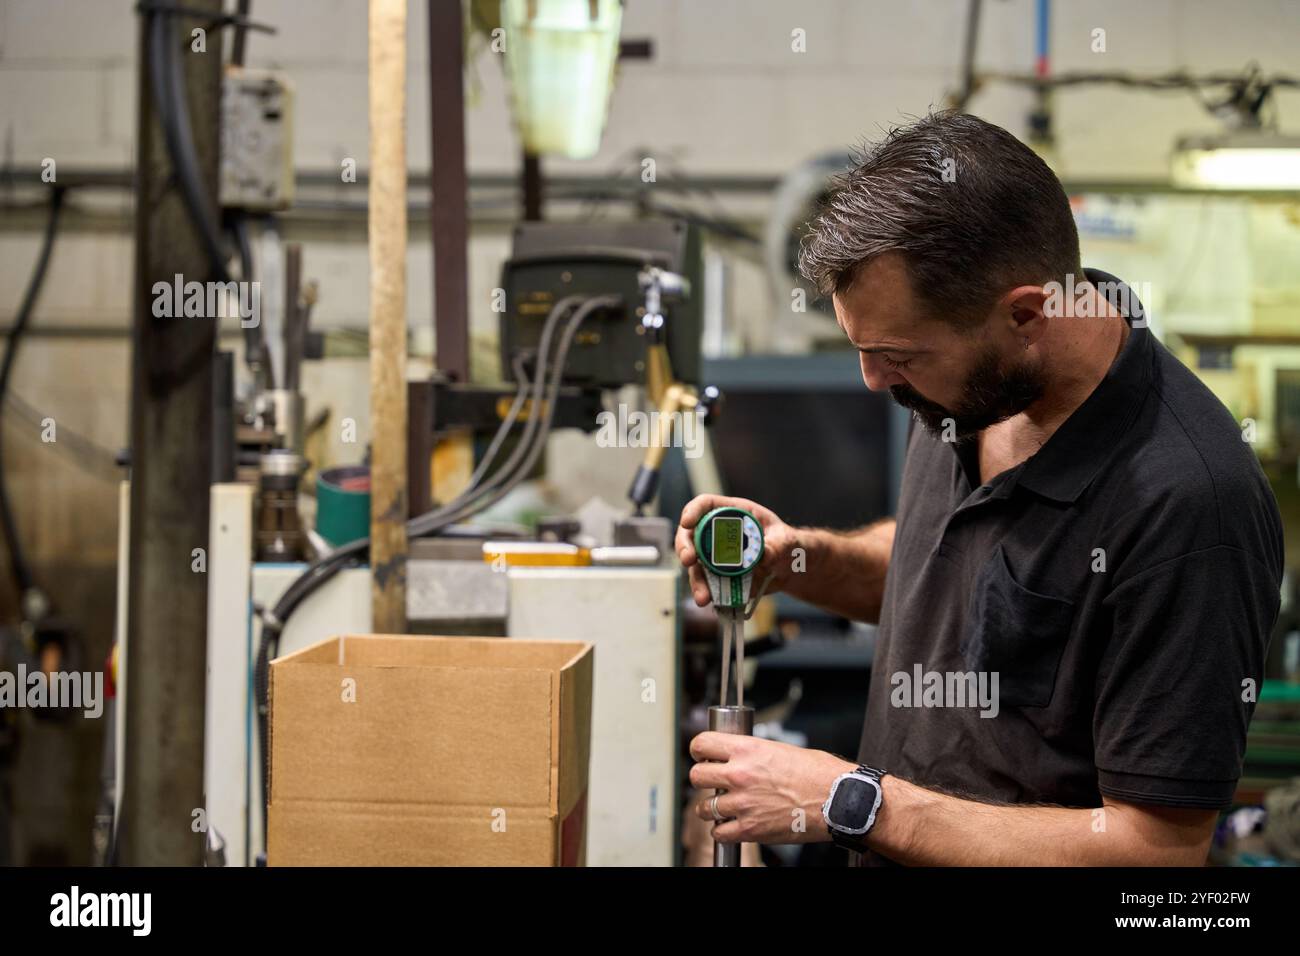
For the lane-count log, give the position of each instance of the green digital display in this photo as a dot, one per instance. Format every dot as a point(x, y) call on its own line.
point(728, 542)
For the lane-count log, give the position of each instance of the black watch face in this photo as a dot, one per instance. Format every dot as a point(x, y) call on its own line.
point(852, 803)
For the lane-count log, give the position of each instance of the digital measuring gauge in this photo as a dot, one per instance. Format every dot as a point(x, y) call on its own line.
point(729, 542)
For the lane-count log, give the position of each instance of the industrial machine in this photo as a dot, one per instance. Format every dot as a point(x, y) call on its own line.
point(590, 309)
point(651, 338)
point(645, 262)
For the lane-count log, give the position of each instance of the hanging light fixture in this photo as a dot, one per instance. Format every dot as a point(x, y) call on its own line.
point(1250, 155)
point(560, 57)
point(1246, 160)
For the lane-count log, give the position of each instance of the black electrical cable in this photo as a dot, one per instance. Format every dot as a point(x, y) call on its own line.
point(19, 565)
point(243, 246)
point(488, 497)
point(254, 349)
point(94, 459)
point(186, 160)
point(255, 354)
point(1177, 81)
point(472, 500)
point(545, 390)
point(968, 81)
point(168, 86)
point(512, 414)
point(424, 524)
point(241, 30)
point(324, 568)
point(167, 83)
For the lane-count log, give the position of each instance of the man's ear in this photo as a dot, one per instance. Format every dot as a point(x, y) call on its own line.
point(1026, 309)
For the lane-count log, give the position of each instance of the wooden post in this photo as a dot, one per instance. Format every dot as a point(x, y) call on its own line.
point(387, 230)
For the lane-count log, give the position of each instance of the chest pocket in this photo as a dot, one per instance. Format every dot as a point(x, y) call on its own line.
point(1016, 632)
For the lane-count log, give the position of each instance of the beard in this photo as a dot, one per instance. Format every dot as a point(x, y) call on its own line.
point(990, 395)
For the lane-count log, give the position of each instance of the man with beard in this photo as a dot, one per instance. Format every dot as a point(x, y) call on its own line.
point(1080, 527)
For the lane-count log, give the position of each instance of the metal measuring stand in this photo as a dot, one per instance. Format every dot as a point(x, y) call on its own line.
point(729, 542)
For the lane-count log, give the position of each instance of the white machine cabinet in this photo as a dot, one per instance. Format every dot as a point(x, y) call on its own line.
point(630, 615)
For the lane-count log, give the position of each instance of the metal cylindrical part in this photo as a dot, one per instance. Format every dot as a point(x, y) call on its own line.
point(730, 720)
point(279, 536)
point(288, 411)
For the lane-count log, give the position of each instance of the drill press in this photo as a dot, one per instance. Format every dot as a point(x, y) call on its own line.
point(729, 542)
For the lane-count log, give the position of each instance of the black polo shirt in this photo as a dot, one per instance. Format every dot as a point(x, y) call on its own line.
point(1122, 582)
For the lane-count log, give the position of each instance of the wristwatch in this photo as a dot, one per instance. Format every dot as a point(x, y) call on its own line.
point(850, 810)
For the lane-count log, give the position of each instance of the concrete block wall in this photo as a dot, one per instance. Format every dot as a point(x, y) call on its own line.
point(725, 93)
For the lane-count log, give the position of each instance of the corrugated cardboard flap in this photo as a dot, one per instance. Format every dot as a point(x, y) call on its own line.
point(314, 833)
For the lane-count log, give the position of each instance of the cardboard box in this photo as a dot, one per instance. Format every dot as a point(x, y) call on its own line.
point(430, 751)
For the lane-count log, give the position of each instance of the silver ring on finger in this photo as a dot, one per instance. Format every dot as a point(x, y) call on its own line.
point(713, 808)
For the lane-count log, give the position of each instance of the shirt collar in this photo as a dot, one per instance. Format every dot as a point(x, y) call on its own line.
point(1071, 458)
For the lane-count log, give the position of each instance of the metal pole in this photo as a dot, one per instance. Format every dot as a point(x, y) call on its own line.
point(532, 183)
point(171, 466)
point(730, 720)
point(449, 188)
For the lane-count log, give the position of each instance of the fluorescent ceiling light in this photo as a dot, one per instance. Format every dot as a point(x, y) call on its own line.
point(560, 57)
point(1246, 161)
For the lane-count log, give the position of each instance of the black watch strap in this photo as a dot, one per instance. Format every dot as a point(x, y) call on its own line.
point(857, 842)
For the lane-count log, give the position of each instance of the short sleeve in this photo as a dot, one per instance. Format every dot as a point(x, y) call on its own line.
point(1178, 680)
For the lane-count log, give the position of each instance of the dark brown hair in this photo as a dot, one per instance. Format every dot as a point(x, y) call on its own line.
point(973, 211)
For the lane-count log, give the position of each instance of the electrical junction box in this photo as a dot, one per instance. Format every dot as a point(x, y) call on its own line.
point(256, 140)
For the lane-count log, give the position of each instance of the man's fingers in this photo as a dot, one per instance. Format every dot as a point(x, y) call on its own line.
point(696, 509)
point(685, 547)
point(709, 775)
point(727, 808)
point(701, 505)
point(711, 745)
point(728, 832)
point(699, 586)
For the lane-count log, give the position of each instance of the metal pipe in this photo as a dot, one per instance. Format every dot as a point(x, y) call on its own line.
point(449, 189)
point(970, 49)
point(532, 187)
point(294, 334)
point(730, 720)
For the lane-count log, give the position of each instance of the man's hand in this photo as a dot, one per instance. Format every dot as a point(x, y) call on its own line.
point(845, 569)
point(778, 540)
point(774, 793)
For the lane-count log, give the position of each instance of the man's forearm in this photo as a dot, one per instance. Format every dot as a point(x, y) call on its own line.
point(924, 828)
point(843, 572)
